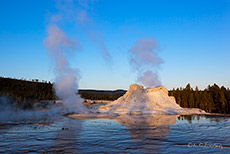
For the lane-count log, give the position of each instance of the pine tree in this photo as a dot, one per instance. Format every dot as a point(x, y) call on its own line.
point(196, 97)
point(191, 100)
point(204, 101)
point(223, 101)
point(188, 87)
point(184, 99)
point(210, 105)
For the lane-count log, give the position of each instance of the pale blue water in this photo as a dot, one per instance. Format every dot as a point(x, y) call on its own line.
point(170, 134)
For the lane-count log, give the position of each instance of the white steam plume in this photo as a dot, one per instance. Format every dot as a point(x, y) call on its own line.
point(95, 36)
point(59, 47)
point(10, 111)
point(98, 39)
point(145, 60)
point(77, 12)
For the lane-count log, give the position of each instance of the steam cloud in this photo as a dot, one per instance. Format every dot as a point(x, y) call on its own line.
point(145, 60)
point(77, 12)
point(98, 39)
point(59, 46)
point(9, 111)
point(95, 36)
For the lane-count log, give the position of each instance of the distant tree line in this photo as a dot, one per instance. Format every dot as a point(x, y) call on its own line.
point(25, 93)
point(101, 94)
point(213, 99)
point(33, 90)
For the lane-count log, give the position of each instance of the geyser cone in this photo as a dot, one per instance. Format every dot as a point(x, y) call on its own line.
point(138, 100)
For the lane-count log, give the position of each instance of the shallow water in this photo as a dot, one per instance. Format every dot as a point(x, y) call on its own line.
point(127, 134)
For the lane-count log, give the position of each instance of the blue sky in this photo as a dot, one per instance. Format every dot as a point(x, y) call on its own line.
point(194, 37)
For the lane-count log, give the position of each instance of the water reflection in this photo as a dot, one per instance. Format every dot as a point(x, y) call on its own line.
point(189, 118)
point(66, 138)
point(142, 127)
point(207, 118)
point(117, 134)
point(148, 132)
